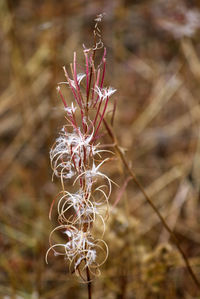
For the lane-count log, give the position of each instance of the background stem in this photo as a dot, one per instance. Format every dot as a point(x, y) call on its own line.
point(134, 178)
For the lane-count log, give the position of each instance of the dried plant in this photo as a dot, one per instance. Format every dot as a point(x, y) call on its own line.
point(76, 156)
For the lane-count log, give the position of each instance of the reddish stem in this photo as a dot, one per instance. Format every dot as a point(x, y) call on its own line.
point(102, 116)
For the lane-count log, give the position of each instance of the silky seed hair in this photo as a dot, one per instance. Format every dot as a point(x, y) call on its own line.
point(77, 157)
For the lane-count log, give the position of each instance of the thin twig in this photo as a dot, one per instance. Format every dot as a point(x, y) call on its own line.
point(134, 178)
point(90, 78)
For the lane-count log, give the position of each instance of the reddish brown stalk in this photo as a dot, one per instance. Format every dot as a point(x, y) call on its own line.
point(62, 98)
point(75, 95)
point(90, 79)
point(104, 68)
point(74, 73)
point(79, 94)
point(97, 113)
point(94, 82)
point(102, 116)
point(97, 83)
point(74, 118)
point(72, 88)
point(84, 151)
point(103, 75)
point(89, 283)
point(87, 72)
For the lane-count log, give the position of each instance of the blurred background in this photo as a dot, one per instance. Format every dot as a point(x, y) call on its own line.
point(154, 63)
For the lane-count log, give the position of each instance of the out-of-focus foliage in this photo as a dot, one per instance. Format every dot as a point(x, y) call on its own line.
point(154, 62)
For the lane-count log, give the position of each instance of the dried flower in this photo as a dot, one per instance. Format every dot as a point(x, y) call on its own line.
point(76, 156)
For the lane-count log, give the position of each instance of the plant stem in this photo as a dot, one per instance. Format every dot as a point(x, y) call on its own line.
point(90, 78)
point(134, 178)
point(89, 283)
